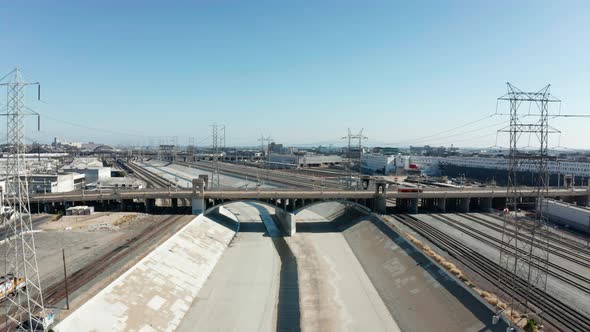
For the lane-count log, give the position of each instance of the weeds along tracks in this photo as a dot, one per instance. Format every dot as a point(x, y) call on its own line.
point(556, 312)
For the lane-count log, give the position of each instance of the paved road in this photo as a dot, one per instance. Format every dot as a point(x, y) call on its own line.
point(241, 293)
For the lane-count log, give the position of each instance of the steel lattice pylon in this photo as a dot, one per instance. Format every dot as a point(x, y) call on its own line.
point(21, 258)
point(218, 143)
point(350, 137)
point(523, 255)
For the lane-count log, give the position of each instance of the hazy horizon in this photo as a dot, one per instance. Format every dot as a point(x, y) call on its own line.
point(302, 72)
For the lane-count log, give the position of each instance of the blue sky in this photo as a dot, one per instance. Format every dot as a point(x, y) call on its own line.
point(300, 71)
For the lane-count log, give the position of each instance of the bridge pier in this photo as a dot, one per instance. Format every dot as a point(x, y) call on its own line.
point(126, 204)
point(408, 205)
point(174, 203)
point(197, 205)
point(287, 221)
point(380, 202)
point(428, 204)
point(583, 200)
point(150, 205)
point(464, 204)
point(441, 205)
point(486, 204)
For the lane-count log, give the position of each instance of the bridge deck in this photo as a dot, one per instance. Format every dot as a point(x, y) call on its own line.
point(78, 196)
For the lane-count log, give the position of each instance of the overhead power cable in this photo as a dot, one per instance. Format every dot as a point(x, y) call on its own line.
point(444, 131)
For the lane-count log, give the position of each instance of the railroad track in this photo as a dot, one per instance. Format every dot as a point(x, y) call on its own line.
point(496, 243)
point(298, 181)
point(556, 313)
point(153, 180)
point(556, 250)
point(57, 292)
point(554, 237)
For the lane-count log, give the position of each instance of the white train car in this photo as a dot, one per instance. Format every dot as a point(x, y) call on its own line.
point(572, 216)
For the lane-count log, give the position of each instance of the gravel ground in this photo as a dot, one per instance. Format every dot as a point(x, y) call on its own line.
point(82, 247)
point(561, 290)
point(186, 174)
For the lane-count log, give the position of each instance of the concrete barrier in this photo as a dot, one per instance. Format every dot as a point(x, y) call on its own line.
point(287, 221)
point(155, 294)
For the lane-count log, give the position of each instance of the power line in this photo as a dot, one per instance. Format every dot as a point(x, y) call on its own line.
point(443, 131)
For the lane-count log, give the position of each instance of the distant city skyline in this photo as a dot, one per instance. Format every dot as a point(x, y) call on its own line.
point(302, 72)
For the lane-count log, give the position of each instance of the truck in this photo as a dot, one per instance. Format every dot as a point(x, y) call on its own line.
point(10, 284)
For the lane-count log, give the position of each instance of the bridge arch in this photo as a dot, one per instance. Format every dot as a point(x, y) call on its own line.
point(228, 202)
point(290, 205)
point(287, 221)
point(344, 202)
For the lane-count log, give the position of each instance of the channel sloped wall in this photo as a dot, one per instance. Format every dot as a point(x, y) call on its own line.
point(155, 294)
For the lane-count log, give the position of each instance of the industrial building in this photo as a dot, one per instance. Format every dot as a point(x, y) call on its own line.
point(55, 183)
point(92, 168)
point(376, 163)
point(305, 160)
point(119, 183)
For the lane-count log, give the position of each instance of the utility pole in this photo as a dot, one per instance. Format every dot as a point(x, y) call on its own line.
point(174, 148)
point(191, 149)
point(350, 137)
point(218, 138)
point(266, 151)
point(21, 257)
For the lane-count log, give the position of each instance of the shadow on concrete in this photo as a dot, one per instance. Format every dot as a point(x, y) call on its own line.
point(473, 303)
point(288, 309)
point(252, 227)
point(224, 221)
point(317, 227)
point(334, 224)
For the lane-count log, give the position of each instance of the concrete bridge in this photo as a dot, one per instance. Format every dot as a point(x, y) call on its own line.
point(380, 199)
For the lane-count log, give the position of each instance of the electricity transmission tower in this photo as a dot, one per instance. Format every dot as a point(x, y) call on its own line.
point(218, 138)
point(350, 138)
point(21, 258)
point(191, 149)
point(523, 254)
point(174, 148)
point(266, 151)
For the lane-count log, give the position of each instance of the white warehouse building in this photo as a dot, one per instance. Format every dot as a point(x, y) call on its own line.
point(382, 164)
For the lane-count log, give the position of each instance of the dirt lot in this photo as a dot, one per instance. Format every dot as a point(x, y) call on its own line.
point(90, 240)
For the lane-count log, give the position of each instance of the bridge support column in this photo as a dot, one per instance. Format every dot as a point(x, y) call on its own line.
point(150, 205)
point(582, 200)
point(441, 205)
point(380, 202)
point(198, 205)
point(126, 204)
point(287, 221)
point(428, 203)
point(464, 207)
point(498, 203)
point(380, 205)
point(413, 205)
point(486, 204)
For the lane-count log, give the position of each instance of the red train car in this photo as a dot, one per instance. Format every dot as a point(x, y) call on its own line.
point(409, 190)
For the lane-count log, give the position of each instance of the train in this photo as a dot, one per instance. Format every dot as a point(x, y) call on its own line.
point(409, 190)
point(9, 284)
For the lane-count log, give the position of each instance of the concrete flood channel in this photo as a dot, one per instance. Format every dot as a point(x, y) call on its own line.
point(343, 270)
